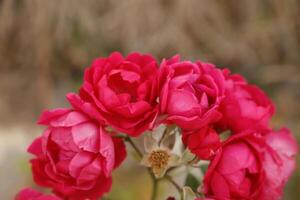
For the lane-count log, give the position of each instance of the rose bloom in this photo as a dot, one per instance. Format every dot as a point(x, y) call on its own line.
point(120, 92)
point(203, 142)
point(245, 106)
point(30, 194)
point(74, 156)
point(279, 162)
point(190, 93)
point(251, 166)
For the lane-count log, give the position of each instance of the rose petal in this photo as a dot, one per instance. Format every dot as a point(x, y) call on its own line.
point(47, 116)
point(86, 137)
point(79, 161)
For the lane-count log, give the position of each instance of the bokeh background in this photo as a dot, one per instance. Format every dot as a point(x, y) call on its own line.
point(45, 46)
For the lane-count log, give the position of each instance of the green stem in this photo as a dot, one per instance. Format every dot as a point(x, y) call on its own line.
point(191, 161)
point(154, 189)
point(137, 150)
point(120, 136)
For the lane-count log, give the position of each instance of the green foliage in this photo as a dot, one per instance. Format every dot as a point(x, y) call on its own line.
point(192, 182)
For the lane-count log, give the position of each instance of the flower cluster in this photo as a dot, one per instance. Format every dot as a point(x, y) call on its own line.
point(194, 102)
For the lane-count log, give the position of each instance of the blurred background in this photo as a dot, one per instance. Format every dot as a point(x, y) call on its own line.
point(45, 46)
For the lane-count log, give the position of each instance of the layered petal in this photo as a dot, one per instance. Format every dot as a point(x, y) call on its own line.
point(244, 106)
point(31, 194)
point(75, 156)
point(203, 142)
point(190, 93)
point(120, 92)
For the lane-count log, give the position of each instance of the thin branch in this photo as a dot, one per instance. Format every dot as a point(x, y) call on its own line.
point(120, 136)
point(191, 161)
point(137, 150)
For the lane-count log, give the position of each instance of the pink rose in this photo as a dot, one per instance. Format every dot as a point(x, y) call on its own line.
point(245, 106)
point(251, 166)
point(203, 142)
point(190, 93)
point(279, 162)
point(120, 92)
point(236, 171)
point(30, 194)
point(74, 156)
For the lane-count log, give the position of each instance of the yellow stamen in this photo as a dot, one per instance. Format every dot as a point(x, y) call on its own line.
point(158, 159)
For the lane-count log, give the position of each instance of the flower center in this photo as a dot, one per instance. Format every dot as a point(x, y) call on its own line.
point(126, 83)
point(158, 159)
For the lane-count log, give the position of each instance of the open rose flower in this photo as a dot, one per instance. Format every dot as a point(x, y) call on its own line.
point(245, 106)
point(190, 93)
point(120, 92)
point(203, 142)
point(74, 156)
point(31, 194)
point(279, 162)
point(251, 166)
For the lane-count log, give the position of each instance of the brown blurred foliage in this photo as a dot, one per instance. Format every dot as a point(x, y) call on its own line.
point(45, 46)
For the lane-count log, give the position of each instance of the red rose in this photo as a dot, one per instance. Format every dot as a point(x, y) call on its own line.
point(203, 142)
point(120, 92)
point(251, 166)
point(245, 106)
point(190, 93)
point(74, 156)
point(30, 194)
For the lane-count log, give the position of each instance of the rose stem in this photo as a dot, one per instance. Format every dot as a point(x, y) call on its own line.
point(137, 150)
point(154, 190)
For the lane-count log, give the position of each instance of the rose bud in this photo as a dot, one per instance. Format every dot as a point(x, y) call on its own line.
point(251, 166)
point(245, 106)
point(31, 194)
point(203, 142)
point(190, 93)
point(74, 156)
point(120, 92)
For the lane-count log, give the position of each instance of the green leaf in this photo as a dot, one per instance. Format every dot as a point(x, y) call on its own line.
point(204, 168)
point(192, 182)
